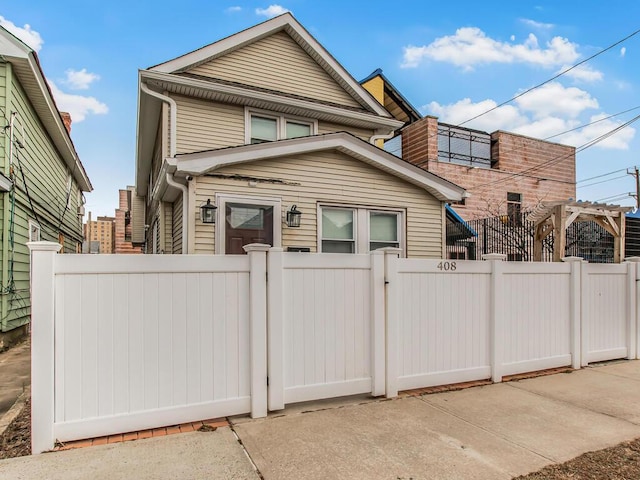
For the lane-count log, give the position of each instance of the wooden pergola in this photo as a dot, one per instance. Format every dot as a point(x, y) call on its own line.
point(557, 216)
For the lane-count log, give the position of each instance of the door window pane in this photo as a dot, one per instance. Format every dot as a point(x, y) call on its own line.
point(263, 129)
point(246, 216)
point(295, 130)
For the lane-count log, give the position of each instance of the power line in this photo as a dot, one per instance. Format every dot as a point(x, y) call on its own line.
point(581, 148)
point(602, 181)
point(603, 175)
point(553, 78)
point(592, 123)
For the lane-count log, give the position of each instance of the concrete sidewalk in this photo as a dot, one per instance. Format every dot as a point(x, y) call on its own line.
point(15, 374)
point(490, 432)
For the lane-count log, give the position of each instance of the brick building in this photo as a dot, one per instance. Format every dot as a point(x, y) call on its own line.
point(99, 235)
point(504, 173)
point(123, 242)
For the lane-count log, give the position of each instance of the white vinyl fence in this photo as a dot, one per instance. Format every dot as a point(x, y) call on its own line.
point(129, 342)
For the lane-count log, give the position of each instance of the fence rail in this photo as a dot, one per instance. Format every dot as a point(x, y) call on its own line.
point(143, 342)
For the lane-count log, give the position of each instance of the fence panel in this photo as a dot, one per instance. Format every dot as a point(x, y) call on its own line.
point(443, 322)
point(535, 301)
point(605, 313)
point(327, 326)
point(145, 341)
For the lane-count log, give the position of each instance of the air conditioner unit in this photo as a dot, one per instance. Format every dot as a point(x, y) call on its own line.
point(81, 211)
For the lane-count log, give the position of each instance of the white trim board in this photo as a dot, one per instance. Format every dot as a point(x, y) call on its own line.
point(204, 162)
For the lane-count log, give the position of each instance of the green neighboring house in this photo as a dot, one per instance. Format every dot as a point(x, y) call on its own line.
point(41, 179)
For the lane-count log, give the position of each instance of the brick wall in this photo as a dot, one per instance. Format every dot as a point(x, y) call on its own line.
point(122, 230)
point(552, 177)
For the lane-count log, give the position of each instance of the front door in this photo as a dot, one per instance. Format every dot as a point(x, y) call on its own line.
point(245, 224)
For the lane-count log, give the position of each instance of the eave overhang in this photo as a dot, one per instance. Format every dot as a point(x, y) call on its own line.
point(205, 162)
point(149, 110)
point(26, 67)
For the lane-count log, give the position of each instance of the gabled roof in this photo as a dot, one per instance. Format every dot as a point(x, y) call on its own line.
point(394, 98)
point(27, 68)
point(204, 162)
point(290, 25)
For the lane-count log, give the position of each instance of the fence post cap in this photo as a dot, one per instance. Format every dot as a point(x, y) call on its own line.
point(494, 256)
point(256, 247)
point(44, 246)
point(575, 259)
point(632, 259)
point(390, 250)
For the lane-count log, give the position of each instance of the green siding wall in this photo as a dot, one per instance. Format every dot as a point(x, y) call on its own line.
point(40, 194)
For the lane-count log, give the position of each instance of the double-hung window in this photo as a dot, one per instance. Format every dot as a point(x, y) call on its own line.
point(358, 230)
point(267, 127)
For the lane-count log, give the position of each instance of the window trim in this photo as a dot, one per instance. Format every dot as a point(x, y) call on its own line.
point(33, 223)
point(362, 228)
point(281, 122)
point(220, 229)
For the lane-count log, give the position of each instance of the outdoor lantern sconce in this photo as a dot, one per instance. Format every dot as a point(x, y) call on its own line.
point(293, 216)
point(208, 212)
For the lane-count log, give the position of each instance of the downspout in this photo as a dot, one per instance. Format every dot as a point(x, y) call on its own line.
point(388, 136)
point(185, 209)
point(173, 116)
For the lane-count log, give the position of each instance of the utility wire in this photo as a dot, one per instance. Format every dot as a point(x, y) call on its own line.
point(581, 148)
point(602, 181)
point(554, 77)
point(604, 174)
point(592, 123)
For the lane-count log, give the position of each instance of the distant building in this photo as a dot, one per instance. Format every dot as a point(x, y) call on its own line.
point(100, 233)
point(122, 235)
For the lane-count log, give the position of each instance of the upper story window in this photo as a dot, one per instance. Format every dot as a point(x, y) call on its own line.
point(264, 126)
point(464, 146)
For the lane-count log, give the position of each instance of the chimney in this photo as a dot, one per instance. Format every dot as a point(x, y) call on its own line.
point(66, 118)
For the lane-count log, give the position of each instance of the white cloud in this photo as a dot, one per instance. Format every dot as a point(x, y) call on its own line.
point(26, 33)
point(555, 99)
point(538, 25)
point(584, 73)
point(470, 46)
point(513, 38)
point(80, 79)
point(544, 112)
point(271, 11)
point(78, 106)
point(502, 118)
point(623, 51)
point(233, 9)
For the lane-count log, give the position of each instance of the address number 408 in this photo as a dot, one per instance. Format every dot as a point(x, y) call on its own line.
point(447, 266)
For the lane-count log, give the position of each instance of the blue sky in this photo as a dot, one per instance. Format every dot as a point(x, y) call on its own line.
point(452, 61)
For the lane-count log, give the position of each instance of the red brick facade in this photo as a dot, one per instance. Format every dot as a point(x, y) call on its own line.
point(535, 169)
point(123, 226)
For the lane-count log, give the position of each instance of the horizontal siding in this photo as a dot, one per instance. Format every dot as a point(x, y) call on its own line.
point(203, 125)
point(40, 178)
point(327, 127)
point(327, 177)
point(176, 225)
point(168, 227)
point(277, 63)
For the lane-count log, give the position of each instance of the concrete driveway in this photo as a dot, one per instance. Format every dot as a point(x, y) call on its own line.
point(490, 432)
point(495, 431)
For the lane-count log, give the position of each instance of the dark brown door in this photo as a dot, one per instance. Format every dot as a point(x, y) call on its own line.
point(245, 224)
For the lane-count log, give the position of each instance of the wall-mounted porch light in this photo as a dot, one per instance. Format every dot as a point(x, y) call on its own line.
point(293, 216)
point(208, 212)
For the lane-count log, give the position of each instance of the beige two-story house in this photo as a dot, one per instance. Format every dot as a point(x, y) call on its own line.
point(267, 131)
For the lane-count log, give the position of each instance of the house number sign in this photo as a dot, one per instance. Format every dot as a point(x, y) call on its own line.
point(447, 266)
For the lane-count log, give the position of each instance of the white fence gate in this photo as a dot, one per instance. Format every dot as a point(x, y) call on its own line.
point(123, 343)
